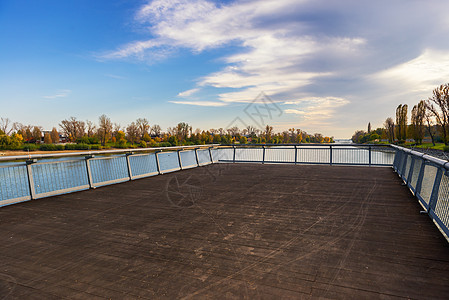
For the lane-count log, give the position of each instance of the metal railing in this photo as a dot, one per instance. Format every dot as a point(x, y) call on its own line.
point(327, 154)
point(29, 177)
point(428, 179)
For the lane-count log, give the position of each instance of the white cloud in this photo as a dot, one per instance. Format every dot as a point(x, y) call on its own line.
point(316, 108)
point(292, 48)
point(423, 73)
point(115, 76)
point(294, 111)
point(188, 93)
point(59, 94)
point(272, 59)
point(200, 103)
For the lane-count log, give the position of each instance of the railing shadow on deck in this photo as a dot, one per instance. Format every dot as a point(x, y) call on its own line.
point(29, 177)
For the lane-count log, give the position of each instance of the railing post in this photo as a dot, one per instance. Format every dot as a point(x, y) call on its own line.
point(410, 172)
point(296, 155)
point(263, 154)
point(210, 155)
point(158, 166)
point(233, 157)
point(330, 155)
point(404, 165)
point(369, 156)
point(420, 178)
point(397, 157)
point(179, 159)
point(30, 178)
point(89, 172)
point(130, 174)
point(196, 157)
point(436, 186)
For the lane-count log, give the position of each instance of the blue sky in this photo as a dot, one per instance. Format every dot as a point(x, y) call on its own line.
point(327, 66)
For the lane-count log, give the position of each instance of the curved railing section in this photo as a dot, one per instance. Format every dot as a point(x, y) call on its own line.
point(428, 179)
point(30, 177)
point(324, 154)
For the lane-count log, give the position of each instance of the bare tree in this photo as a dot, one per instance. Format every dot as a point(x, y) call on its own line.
point(73, 128)
point(4, 126)
point(182, 131)
point(428, 117)
point(91, 128)
point(438, 105)
point(133, 133)
point(104, 129)
point(156, 130)
point(143, 126)
point(233, 131)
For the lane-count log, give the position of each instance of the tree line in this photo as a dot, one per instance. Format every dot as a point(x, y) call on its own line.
point(430, 117)
point(78, 134)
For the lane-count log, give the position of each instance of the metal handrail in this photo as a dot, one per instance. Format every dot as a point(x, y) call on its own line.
point(428, 179)
point(97, 152)
point(36, 176)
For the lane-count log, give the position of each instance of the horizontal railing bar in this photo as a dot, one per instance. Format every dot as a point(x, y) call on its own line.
point(12, 165)
point(144, 175)
point(170, 170)
point(435, 160)
point(63, 191)
point(308, 145)
point(108, 182)
point(58, 161)
point(14, 200)
point(97, 152)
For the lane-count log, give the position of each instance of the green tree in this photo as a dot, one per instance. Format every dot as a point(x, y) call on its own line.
point(401, 122)
point(173, 140)
point(418, 115)
point(389, 128)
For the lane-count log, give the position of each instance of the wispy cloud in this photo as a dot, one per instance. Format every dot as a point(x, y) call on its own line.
point(59, 94)
point(272, 59)
point(423, 73)
point(200, 103)
point(115, 76)
point(294, 111)
point(316, 108)
point(188, 93)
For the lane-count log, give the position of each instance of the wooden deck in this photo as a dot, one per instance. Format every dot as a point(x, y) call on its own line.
point(227, 231)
